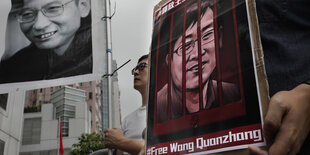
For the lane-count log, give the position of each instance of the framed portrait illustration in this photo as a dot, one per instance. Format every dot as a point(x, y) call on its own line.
point(48, 41)
point(203, 78)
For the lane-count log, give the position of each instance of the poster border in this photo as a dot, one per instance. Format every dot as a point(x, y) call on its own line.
point(98, 63)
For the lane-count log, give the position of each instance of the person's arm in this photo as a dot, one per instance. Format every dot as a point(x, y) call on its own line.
point(142, 151)
point(119, 152)
point(287, 122)
point(114, 138)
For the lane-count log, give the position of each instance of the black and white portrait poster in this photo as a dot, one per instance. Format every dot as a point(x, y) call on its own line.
point(50, 42)
point(203, 94)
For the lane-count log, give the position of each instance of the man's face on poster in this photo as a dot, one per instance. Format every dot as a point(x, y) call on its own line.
point(191, 49)
point(51, 29)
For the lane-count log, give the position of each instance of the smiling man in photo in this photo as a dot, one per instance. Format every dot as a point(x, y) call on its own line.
point(60, 35)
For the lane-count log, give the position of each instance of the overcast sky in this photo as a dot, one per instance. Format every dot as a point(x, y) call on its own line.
point(131, 38)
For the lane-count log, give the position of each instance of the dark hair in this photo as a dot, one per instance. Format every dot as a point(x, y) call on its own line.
point(176, 18)
point(192, 11)
point(143, 57)
point(191, 18)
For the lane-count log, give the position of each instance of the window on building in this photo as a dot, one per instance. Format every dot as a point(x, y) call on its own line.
point(31, 131)
point(90, 95)
point(3, 101)
point(81, 84)
point(51, 89)
point(65, 112)
point(2, 144)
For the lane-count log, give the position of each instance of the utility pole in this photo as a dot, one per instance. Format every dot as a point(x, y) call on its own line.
point(109, 59)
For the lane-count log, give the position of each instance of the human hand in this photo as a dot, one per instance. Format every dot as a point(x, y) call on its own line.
point(113, 137)
point(254, 150)
point(142, 151)
point(287, 122)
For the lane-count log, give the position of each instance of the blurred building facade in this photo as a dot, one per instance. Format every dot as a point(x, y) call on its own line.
point(40, 135)
point(11, 113)
point(81, 107)
point(92, 89)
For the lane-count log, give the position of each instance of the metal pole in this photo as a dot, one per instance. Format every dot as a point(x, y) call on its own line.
point(109, 61)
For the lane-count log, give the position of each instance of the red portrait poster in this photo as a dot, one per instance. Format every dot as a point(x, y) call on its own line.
point(204, 92)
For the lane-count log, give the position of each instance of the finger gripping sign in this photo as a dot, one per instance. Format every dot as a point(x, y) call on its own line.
point(207, 84)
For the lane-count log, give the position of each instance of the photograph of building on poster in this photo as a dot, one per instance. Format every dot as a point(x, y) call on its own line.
point(203, 92)
point(46, 40)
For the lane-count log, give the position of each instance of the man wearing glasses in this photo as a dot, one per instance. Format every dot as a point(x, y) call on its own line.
point(208, 64)
point(129, 138)
point(60, 37)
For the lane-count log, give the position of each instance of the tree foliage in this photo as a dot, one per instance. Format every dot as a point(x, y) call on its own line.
point(88, 143)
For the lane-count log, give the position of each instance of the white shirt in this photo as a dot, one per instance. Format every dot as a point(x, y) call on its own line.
point(134, 124)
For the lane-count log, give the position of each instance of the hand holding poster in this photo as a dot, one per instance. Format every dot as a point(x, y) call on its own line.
point(204, 95)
